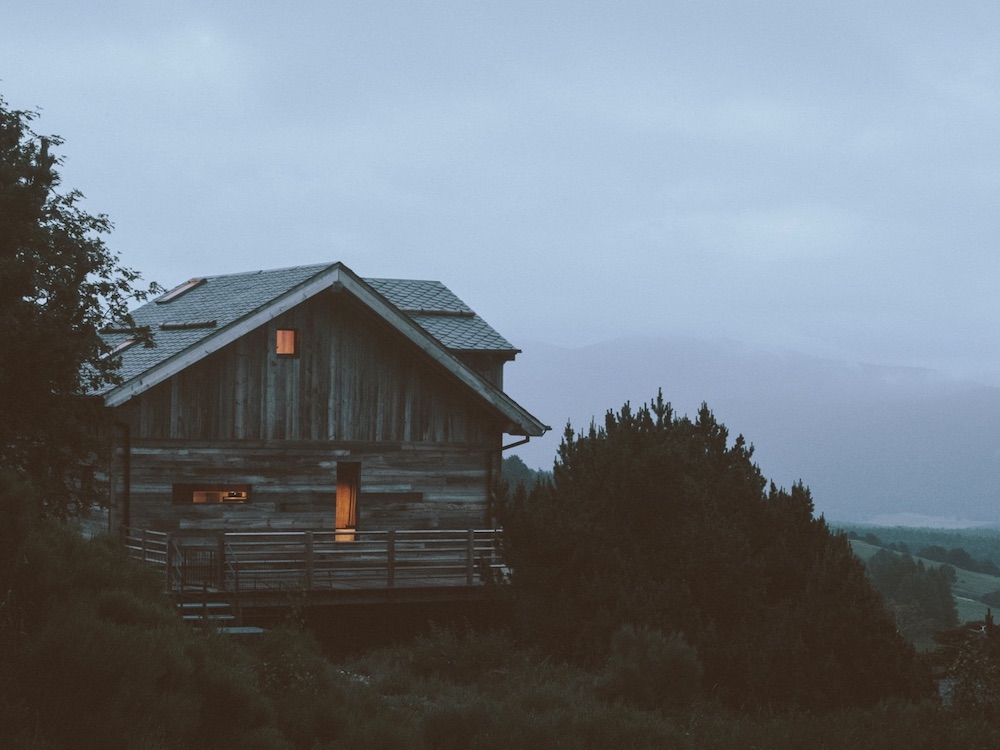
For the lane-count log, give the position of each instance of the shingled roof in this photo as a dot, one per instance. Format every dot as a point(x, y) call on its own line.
point(436, 309)
point(204, 314)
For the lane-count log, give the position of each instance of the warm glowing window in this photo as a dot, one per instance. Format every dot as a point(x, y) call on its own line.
point(202, 494)
point(348, 485)
point(287, 342)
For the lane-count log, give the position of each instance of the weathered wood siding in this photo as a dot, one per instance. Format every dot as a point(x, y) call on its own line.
point(357, 391)
point(488, 364)
point(354, 380)
point(293, 485)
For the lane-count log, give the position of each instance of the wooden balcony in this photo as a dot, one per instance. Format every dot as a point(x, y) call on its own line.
point(267, 568)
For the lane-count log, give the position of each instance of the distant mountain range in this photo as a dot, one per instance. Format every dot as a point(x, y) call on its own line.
point(885, 445)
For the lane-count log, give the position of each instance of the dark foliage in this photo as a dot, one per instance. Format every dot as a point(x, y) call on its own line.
point(516, 472)
point(958, 557)
point(980, 544)
point(93, 655)
point(971, 655)
point(991, 599)
point(654, 519)
point(919, 597)
point(650, 670)
point(59, 285)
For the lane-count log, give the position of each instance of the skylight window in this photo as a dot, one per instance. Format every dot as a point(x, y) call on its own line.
point(120, 348)
point(186, 325)
point(177, 291)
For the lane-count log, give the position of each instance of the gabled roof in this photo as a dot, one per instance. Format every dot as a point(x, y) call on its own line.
point(203, 315)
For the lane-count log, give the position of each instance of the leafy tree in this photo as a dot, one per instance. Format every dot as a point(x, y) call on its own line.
point(59, 285)
point(516, 472)
point(989, 568)
point(657, 520)
point(934, 552)
point(959, 557)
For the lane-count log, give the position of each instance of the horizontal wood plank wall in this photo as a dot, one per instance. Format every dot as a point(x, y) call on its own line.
point(355, 379)
point(293, 485)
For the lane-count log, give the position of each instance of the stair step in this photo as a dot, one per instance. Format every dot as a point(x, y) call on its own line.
point(209, 617)
point(204, 605)
point(240, 630)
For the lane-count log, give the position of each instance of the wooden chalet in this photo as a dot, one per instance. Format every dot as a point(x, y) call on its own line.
point(309, 421)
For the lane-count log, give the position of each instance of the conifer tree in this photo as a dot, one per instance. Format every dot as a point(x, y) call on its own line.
point(658, 520)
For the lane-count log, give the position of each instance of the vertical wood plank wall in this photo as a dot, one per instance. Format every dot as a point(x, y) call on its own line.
point(356, 391)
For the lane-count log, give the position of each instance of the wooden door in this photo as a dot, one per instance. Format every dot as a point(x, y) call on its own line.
point(348, 487)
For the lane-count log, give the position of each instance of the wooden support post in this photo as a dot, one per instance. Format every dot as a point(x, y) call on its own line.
point(142, 545)
point(309, 560)
point(470, 557)
point(168, 557)
point(220, 563)
point(391, 559)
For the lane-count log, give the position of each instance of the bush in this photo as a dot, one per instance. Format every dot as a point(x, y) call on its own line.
point(462, 658)
point(94, 655)
point(650, 670)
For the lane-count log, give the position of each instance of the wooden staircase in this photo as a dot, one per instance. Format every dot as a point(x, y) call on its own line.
point(210, 609)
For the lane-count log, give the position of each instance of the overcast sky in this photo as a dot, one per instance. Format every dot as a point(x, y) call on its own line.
point(817, 176)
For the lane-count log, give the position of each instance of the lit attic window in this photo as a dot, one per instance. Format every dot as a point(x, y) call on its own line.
point(177, 291)
point(286, 342)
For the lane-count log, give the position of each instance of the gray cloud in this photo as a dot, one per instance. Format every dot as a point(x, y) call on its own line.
point(817, 177)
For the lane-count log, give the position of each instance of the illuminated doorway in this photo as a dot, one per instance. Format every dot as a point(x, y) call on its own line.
point(348, 484)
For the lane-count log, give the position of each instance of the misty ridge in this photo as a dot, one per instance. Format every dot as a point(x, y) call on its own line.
point(875, 444)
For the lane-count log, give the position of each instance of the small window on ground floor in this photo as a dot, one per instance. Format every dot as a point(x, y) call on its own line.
point(201, 494)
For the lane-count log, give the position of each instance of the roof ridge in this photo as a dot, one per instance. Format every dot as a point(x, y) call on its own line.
point(303, 267)
point(418, 281)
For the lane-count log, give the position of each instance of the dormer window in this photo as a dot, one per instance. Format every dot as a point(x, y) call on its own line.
point(287, 342)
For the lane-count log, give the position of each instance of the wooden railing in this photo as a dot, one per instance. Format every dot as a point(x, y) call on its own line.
point(148, 546)
point(323, 560)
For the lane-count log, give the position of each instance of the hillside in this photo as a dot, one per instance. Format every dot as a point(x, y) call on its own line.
point(967, 588)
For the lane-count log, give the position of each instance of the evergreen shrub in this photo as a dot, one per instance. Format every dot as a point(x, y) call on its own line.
point(658, 520)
